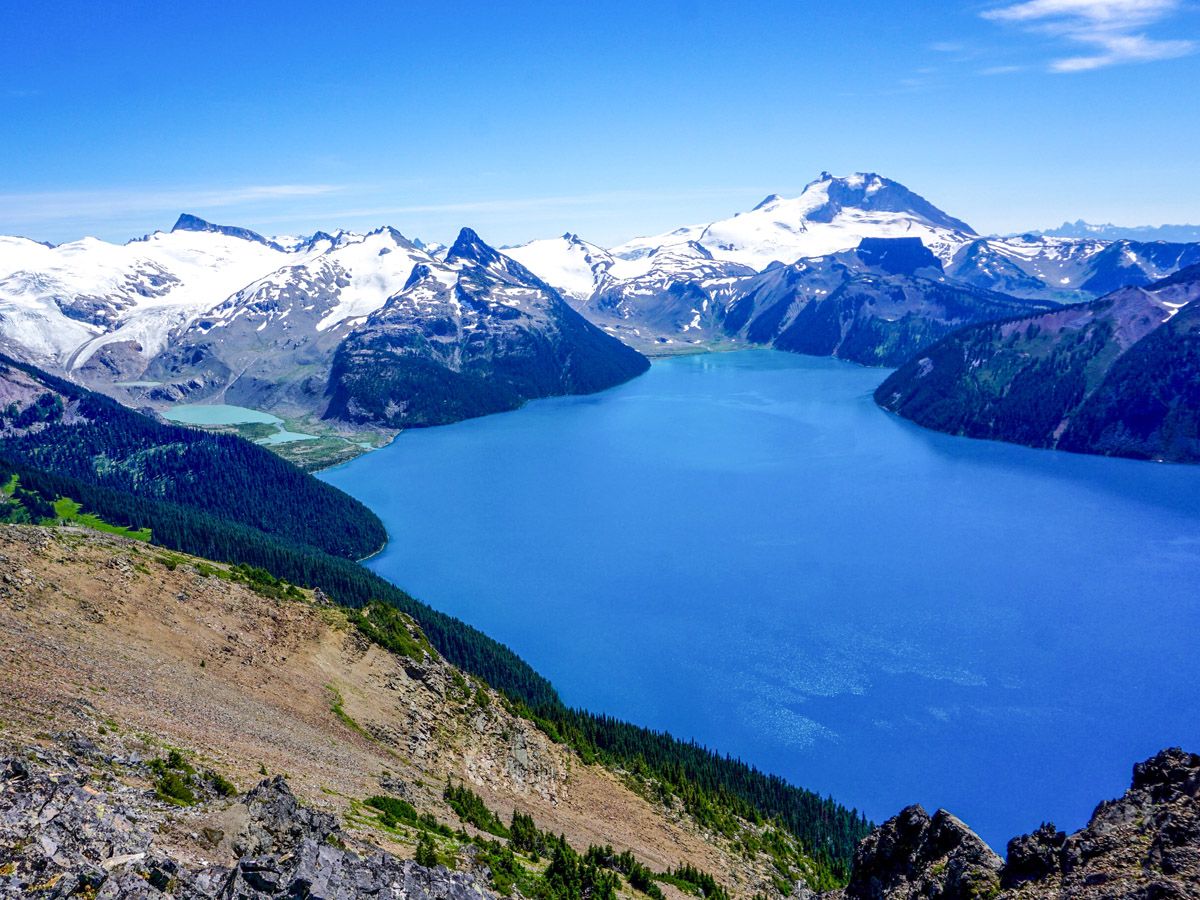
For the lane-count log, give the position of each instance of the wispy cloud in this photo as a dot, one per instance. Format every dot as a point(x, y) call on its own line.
point(516, 205)
point(52, 205)
point(1114, 31)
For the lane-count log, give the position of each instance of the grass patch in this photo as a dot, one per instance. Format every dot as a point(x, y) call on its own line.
point(394, 631)
point(69, 512)
point(394, 812)
point(336, 707)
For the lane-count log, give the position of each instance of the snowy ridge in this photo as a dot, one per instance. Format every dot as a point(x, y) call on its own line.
point(572, 265)
point(831, 215)
point(214, 303)
point(65, 302)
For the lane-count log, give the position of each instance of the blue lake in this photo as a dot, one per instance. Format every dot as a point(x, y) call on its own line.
point(743, 549)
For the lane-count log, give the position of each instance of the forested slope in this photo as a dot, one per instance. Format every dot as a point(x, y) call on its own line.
point(1118, 376)
point(90, 437)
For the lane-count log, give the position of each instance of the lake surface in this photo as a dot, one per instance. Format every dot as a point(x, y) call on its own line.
point(225, 414)
point(742, 548)
point(218, 414)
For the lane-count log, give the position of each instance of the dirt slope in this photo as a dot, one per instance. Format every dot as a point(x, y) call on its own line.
point(104, 636)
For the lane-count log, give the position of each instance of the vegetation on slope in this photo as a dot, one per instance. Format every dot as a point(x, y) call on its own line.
point(512, 853)
point(1117, 376)
point(399, 379)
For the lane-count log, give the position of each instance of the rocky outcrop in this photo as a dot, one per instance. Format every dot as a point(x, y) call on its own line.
point(68, 829)
point(1143, 846)
point(914, 856)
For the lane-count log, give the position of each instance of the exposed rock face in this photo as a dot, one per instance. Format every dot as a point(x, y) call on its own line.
point(914, 855)
point(62, 835)
point(1144, 846)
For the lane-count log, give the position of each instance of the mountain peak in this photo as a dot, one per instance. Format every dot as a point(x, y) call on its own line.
point(871, 192)
point(189, 222)
point(768, 200)
point(470, 247)
point(687, 249)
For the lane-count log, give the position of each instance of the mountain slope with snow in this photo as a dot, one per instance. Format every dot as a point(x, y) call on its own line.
point(570, 264)
point(875, 305)
point(832, 214)
point(62, 305)
point(270, 345)
point(475, 334)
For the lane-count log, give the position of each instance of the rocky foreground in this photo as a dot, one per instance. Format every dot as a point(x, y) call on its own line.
point(74, 823)
point(1144, 846)
point(69, 827)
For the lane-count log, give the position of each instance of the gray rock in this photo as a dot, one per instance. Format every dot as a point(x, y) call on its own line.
point(59, 839)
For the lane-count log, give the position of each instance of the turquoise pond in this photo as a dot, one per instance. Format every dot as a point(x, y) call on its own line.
point(222, 414)
point(743, 549)
point(218, 414)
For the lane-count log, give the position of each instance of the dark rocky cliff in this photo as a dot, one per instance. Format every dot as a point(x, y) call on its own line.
point(1143, 846)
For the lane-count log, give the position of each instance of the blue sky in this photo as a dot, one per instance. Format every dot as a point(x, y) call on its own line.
point(609, 119)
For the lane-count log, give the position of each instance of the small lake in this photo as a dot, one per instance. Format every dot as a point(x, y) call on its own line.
point(218, 414)
point(223, 414)
point(743, 549)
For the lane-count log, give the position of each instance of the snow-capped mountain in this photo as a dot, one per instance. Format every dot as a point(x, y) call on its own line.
point(674, 290)
point(476, 333)
point(830, 215)
point(339, 321)
point(569, 263)
point(60, 305)
point(1066, 269)
point(645, 291)
point(221, 313)
point(375, 330)
point(877, 304)
point(272, 341)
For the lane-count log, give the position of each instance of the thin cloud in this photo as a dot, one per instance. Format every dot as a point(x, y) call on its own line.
point(535, 204)
point(1113, 30)
point(51, 205)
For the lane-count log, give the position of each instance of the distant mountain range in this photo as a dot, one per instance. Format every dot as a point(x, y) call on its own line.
point(1082, 229)
point(362, 328)
point(382, 331)
point(673, 289)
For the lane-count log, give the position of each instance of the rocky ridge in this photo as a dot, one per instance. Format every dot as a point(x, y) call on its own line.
point(1143, 846)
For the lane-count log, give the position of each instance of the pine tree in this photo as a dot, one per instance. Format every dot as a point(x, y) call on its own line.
point(427, 854)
